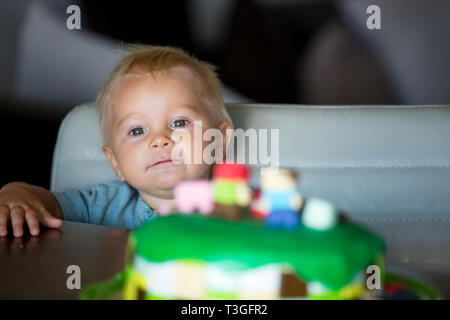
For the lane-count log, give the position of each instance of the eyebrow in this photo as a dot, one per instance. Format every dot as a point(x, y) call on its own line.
point(126, 118)
point(130, 115)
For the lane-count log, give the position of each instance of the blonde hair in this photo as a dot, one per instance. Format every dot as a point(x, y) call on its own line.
point(142, 58)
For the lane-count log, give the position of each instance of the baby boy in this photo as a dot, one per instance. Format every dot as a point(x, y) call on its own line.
point(152, 93)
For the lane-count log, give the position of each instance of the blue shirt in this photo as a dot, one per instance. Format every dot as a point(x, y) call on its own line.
point(114, 203)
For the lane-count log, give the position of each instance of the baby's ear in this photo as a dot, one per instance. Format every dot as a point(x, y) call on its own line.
point(109, 155)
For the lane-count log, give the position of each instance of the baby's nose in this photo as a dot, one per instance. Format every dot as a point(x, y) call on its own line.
point(161, 142)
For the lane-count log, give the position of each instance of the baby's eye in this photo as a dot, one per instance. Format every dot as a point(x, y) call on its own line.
point(137, 131)
point(179, 123)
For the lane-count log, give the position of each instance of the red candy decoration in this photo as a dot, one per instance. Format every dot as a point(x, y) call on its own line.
point(231, 171)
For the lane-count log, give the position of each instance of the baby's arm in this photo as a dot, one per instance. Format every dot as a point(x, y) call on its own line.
point(22, 202)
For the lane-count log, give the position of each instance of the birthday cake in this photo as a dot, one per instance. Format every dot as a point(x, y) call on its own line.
point(223, 241)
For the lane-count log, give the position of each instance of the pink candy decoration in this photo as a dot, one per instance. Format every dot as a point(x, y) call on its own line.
point(194, 195)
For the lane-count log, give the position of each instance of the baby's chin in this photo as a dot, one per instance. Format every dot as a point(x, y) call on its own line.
point(165, 178)
point(159, 188)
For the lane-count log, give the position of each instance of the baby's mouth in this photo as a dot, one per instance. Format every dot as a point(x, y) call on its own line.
point(161, 162)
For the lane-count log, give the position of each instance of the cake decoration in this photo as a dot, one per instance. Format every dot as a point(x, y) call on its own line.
point(281, 199)
point(224, 196)
point(319, 214)
point(231, 192)
point(194, 195)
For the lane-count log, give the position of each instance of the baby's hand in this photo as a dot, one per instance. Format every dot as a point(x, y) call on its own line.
point(21, 202)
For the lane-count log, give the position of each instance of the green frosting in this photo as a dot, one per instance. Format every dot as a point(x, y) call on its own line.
point(332, 257)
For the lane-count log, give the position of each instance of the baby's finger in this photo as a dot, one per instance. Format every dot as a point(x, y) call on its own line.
point(46, 218)
point(31, 217)
point(17, 219)
point(4, 214)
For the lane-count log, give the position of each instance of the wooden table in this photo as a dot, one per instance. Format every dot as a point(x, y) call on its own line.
point(36, 267)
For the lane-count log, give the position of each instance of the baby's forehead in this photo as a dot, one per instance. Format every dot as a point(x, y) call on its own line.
point(129, 85)
point(155, 78)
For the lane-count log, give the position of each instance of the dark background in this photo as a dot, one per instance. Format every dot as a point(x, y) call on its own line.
point(303, 52)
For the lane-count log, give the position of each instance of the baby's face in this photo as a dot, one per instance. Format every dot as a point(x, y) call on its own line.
point(145, 111)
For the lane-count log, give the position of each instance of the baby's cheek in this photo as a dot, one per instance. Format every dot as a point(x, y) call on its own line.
point(203, 152)
point(182, 152)
point(132, 166)
point(191, 148)
point(187, 149)
point(197, 171)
